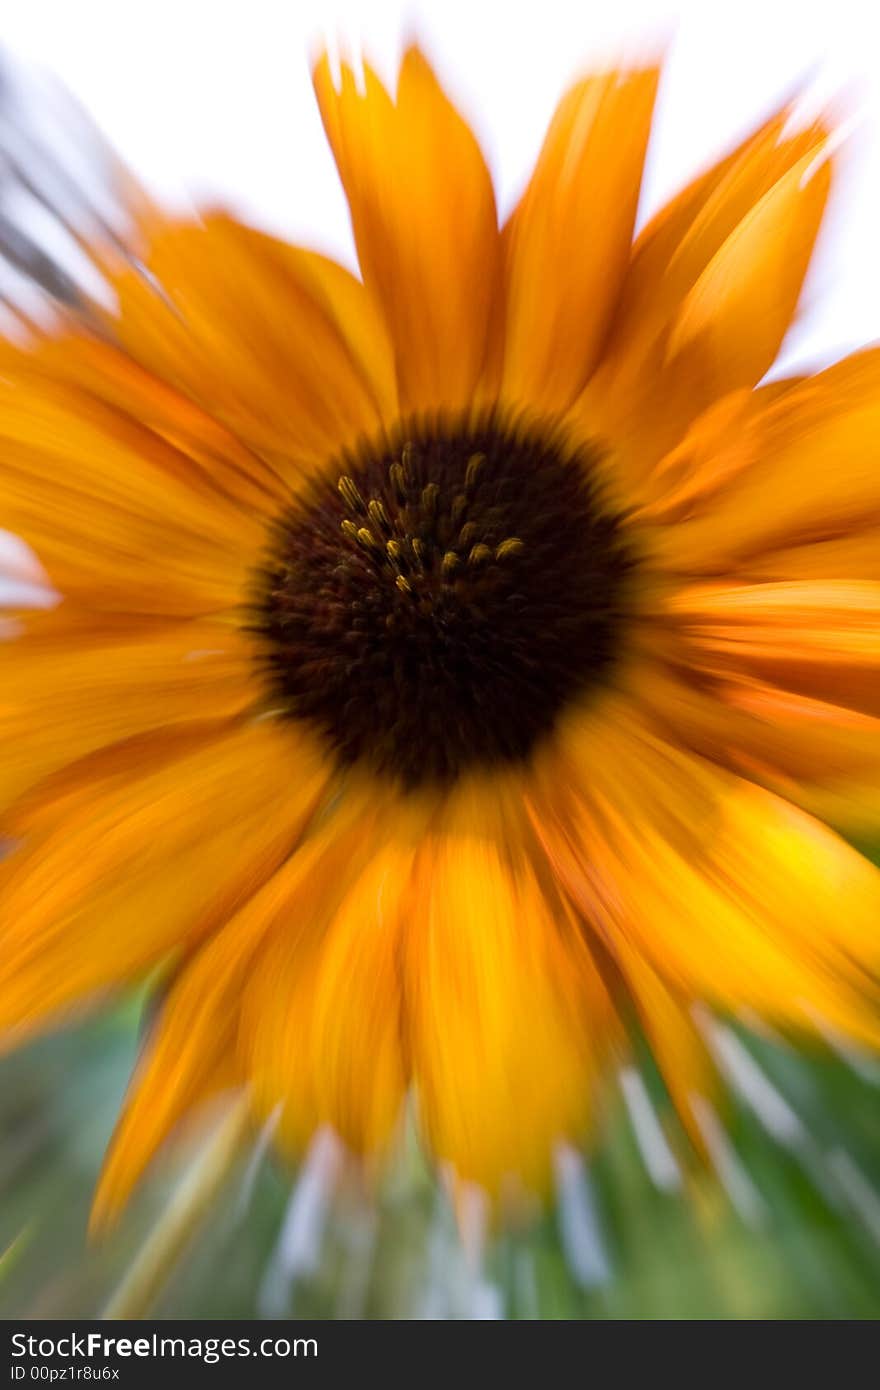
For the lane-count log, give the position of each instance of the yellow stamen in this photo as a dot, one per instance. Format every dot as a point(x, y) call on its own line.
point(350, 494)
point(512, 546)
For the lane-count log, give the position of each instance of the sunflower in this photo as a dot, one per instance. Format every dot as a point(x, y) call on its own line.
point(454, 667)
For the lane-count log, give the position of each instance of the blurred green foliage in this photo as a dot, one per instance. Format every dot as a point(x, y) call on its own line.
point(798, 1237)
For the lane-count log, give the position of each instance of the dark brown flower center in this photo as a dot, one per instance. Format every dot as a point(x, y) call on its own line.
point(434, 604)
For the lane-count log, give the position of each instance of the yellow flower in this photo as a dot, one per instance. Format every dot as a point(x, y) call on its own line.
point(452, 663)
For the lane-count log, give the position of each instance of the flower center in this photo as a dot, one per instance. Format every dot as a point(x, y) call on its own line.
point(434, 603)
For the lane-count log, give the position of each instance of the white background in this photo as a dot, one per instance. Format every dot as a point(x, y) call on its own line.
point(211, 99)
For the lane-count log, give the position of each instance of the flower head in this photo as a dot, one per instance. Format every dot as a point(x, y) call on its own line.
point(454, 664)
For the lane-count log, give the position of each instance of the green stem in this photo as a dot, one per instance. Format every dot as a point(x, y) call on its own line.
point(186, 1211)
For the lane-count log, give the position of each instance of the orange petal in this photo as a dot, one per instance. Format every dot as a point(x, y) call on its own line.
point(281, 345)
point(822, 639)
point(205, 453)
point(188, 1058)
point(742, 305)
point(111, 509)
point(821, 755)
point(225, 998)
point(321, 1032)
point(126, 856)
point(677, 245)
point(720, 269)
point(72, 684)
point(425, 226)
point(568, 242)
point(687, 481)
point(855, 556)
point(812, 475)
point(676, 1044)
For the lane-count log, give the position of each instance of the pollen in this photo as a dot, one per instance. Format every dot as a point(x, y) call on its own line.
point(433, 602)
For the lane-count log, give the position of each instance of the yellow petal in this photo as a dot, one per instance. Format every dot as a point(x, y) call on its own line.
point(506, 1013)
point(567, 244)
point(425, 226)
point(731, 895)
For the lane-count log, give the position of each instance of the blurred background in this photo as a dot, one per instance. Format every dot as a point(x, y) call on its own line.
point(212, 102)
